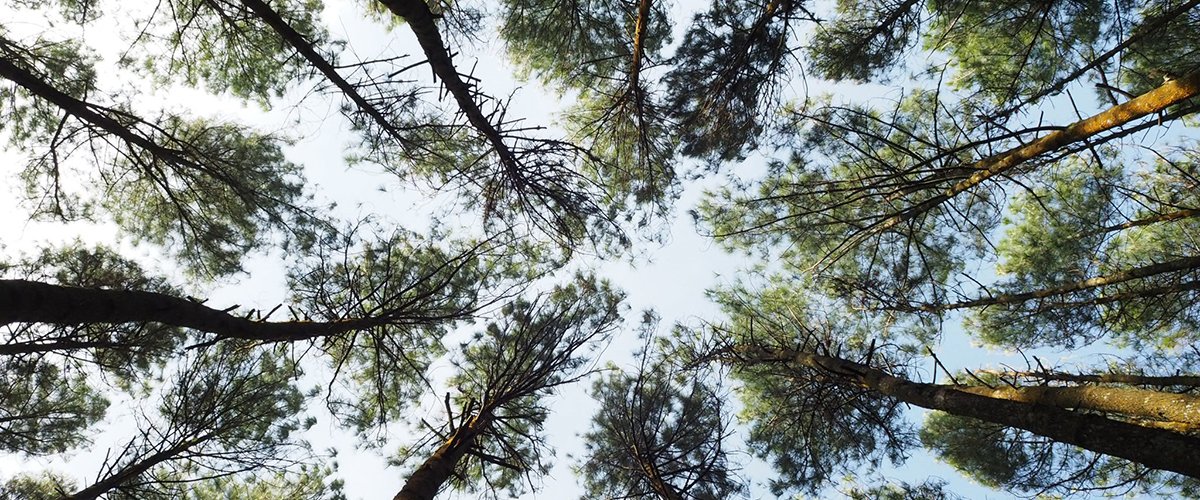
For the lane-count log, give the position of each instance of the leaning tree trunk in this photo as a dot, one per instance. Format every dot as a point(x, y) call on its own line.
point(1107, 378)
point(26, 301)
point(423, 24)
point(1138, 403)
point(429, 477)
point(1154, 448)
point(1154, 101)
point(133, 470)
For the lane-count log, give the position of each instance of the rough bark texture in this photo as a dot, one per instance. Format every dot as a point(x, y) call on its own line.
point(639, 41)
point(1112, 378)
point(1154, 448)
point(429, 477)
point(658, 484)
point(34, 302)
point(1141, 403)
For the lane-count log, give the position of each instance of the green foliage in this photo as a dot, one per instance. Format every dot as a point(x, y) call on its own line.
point(209, 190)
point(651, 420)
point(415, 290)
point(861, 166)
point(43, 486)
point(228, 409)
point(511, 367)
point(129, 353)
point(1027, 464)
point(210, 214)
point(306, 483)
point(864, 38)
point(932, 489)
point(729, 70)
point(811, 427)
point(1088, 222)
point(1011, 49)
point(1169, 52)
point(578, 44)
point(977, 448)
point(44, 410)
point(223, 46)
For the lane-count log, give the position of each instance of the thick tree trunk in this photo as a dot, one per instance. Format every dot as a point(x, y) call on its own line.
point(1109, 378)
point(1139, 403)
point(34, 302)
point(639, 42)
point(1154, 448)
point(660, 486)
point(429, 477)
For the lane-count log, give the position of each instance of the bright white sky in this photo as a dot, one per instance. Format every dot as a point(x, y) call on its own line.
point(671, 280)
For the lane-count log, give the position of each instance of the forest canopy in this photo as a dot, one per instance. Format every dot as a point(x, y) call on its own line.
point(254, 245)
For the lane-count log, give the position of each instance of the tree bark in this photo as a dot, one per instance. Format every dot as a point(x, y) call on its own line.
point(34, 302)
point(1140, 403)
point(1109, 378)
point(133, 470)
point(429, 477)
point(1167, 217)
point(1154, 448)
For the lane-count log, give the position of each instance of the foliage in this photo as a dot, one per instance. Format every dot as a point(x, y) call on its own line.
point(1022, 173)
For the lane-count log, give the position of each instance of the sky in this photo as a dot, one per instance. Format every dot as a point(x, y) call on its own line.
point(671, 278)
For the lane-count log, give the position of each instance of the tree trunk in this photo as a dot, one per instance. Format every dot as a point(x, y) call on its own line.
point(305, 48)
point(34, 302)
point(1139, 403)
point(429, 477)
point(421, 20)
point(134, 470)
point(1154, 101)
point(1108, 378)
point(1154, 448)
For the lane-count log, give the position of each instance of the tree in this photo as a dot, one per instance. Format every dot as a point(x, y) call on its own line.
point(813, 395)
point(958, 201)
point(1032, 179)
point(506, 374)
point(658, 434)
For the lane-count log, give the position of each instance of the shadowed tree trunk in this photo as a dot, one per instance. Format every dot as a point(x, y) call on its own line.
point(306, 49)
point(23, 301)
point(422, 22)
point(1154, 448)
point(429, 477)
